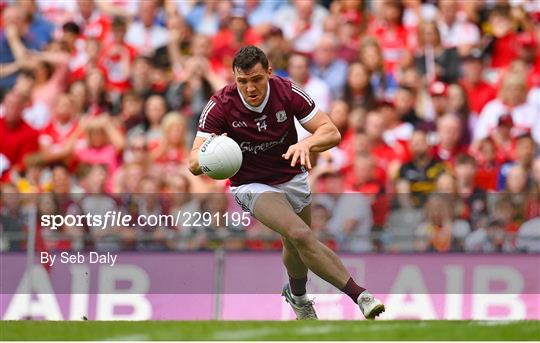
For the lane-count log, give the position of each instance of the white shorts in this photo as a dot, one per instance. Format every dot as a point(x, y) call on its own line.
point(296, 190)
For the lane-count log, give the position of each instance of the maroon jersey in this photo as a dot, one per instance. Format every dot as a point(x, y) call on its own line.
point(264, 133)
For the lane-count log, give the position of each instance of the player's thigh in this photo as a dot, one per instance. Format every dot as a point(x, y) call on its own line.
point(274, 210)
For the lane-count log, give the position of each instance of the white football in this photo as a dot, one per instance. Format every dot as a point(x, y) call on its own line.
point(220, 157)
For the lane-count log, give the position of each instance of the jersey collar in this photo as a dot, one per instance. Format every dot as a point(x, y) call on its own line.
point(259, 108)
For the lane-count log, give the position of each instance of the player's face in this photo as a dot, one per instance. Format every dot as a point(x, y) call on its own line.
point(253, 83)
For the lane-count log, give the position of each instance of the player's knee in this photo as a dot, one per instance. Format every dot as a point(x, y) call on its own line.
point(301, 237)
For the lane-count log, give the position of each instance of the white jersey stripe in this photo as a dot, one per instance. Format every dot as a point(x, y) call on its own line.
point(206, 113)
point(303, 92)
point(204, 109)
point(303, 96)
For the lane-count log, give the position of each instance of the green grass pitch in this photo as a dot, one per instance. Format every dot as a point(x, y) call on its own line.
point(270, 330)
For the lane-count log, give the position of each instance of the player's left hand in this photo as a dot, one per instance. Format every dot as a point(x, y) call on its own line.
point(299, 152)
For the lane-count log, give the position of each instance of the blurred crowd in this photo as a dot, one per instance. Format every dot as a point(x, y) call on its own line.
point(438, 104)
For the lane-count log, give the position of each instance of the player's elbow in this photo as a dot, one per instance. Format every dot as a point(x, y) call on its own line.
point(335, 136)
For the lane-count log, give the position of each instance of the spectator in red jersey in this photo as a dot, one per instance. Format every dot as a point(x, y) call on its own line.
point(235, 33)
point(434, 60)
point(449, 138)
point(383, 83)
point(18, 138)
point(391, 34)
point(529, 54)
point(358, 91)
point(489, 166)
point(398, 132)
point(385, 157)
point(503, 47)
point(116, 58)
point(63, 127)
point(145, 34)
point(93, 24)
point(505, 143)
point(478, 91)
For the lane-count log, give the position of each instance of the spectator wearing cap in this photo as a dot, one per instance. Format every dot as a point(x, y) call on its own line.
point(456, 31)
point(478, 91)
point(144, 34)
point(505, 143)
point(383, 83)
point(434, 60)
point(439, 99)
point(511, 99)
point(327, 66)
point(18, 138)
point(302, 23)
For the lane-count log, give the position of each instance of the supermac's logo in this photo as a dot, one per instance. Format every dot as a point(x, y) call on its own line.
point(256, 148)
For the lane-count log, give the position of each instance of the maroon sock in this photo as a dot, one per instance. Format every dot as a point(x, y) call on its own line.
point(298, 286)
point(352, 290)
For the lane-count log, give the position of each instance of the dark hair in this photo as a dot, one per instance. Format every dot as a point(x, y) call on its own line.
point(71, 27)
point(247, 57)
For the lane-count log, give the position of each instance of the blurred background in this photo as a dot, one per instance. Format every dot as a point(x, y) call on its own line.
point(438, 104)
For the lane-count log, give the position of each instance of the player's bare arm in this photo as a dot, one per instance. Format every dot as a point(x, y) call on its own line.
point(325, 135)
point(194, 167)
